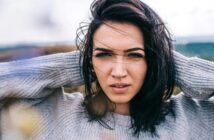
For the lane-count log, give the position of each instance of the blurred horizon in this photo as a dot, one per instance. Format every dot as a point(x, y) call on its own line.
point(56, 21)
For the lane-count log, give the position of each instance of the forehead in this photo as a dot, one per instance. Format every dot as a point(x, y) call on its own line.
point(119, 36)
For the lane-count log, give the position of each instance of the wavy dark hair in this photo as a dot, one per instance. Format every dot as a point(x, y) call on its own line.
point(150, 106)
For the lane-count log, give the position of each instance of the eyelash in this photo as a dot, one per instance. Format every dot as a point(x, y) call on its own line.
point(135, 55)
point(103, 54)
point(131, 55)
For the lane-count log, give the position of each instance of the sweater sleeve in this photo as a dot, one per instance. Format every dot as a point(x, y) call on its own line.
point(38, 77)
point(194, 76)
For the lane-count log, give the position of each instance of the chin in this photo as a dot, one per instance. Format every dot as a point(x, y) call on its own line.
point(120, 101)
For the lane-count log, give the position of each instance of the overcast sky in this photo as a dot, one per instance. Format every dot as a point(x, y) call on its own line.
point(186, 17)
point(57, 20)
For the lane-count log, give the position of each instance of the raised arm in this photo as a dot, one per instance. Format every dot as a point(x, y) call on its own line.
point(194, 76)
point(38, 77)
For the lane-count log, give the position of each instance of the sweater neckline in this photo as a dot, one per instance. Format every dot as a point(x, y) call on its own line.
point(118, 119)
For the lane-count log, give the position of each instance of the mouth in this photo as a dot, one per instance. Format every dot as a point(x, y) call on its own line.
point(120, 87)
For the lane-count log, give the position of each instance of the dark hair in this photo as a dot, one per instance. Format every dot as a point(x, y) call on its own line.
point(150, 106)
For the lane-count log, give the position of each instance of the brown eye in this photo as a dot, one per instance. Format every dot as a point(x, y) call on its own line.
point(103, 54)
point(135, 55)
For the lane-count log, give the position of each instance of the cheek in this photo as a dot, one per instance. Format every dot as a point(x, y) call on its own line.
point(139, 74)
point(99, 72)
point(101, 68)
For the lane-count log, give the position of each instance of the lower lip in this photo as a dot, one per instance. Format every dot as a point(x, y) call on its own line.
point(120, 90)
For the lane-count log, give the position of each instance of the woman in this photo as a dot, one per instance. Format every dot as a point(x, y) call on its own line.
point(128, 56)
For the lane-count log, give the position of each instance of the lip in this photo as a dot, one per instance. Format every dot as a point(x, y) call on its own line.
point(120, 87)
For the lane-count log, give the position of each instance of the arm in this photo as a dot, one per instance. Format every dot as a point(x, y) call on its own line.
point(37, 77)
point(194, 76)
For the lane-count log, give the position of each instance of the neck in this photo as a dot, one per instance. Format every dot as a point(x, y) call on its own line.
point(122, 109)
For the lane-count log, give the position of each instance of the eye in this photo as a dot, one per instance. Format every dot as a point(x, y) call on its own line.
point(103, 54)
point(135, 55)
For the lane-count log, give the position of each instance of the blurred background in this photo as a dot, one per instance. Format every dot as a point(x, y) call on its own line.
point(31, 28)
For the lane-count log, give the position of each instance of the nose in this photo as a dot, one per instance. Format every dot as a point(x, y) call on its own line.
point(119, 70)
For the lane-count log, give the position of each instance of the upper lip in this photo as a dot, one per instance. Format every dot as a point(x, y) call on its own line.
point(120, 85)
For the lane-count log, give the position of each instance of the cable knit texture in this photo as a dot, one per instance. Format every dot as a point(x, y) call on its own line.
point(37, 83)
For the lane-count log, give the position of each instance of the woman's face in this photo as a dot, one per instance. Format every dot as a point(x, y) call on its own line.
point(118, 61)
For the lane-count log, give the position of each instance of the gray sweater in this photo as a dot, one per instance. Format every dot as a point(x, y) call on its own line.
point(37, 83)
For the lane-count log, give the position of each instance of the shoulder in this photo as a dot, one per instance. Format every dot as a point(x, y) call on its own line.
point(187, 102)
point(61, 102)
point(63, 105)
point(73, 96)
point(74, 99)
point(196, 113)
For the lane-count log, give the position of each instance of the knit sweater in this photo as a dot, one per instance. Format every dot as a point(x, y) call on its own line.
point(37, 83)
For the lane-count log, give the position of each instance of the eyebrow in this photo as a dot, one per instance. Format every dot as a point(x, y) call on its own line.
point(102, 49)
point(128, 50)
point(134, 49)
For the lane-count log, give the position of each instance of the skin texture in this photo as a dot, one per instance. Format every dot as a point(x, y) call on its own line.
point(119, 63)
